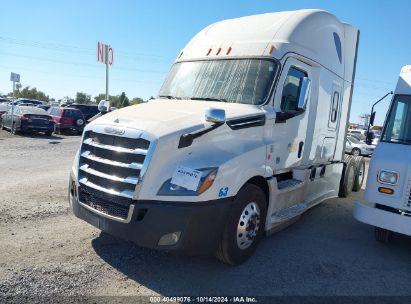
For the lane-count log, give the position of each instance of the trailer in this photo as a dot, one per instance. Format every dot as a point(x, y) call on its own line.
point(388, 188)
point(247, 133)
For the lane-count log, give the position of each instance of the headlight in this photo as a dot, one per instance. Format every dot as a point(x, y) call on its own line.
point(388, 177)
point(208, 176)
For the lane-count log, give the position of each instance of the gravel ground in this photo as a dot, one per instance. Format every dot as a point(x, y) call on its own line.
point(45, 250)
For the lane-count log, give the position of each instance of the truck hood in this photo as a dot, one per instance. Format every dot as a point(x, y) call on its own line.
point(162, 117)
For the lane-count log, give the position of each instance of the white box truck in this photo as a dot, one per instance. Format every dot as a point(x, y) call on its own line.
point(247, 133)
point(388, 186)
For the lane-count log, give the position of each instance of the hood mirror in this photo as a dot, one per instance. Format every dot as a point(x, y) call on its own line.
point(304, 94)
point(215, 116)
point(104, 106)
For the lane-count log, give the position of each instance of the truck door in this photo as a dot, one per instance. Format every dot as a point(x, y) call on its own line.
point(290, 127)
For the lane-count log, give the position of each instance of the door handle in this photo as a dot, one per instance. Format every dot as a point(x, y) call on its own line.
point(300, 149)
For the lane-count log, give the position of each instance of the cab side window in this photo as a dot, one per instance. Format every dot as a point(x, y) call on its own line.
point(291, 89)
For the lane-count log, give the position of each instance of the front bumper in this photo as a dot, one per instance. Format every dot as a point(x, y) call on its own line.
point(383, 219)
point(200, 223)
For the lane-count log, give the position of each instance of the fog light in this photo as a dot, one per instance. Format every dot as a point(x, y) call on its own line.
point(169, 239)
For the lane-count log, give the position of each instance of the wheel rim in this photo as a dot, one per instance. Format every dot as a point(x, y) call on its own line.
point(361, 171)
point(248, 226)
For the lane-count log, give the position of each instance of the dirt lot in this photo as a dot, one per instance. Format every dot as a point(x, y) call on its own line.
point(45, 250)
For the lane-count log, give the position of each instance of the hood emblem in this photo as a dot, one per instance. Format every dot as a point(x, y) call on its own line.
point(113, 130)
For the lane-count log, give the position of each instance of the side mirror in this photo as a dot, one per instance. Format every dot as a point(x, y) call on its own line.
point(215, 115)
point(372, 118)
point(104, 106)
point(304, 94)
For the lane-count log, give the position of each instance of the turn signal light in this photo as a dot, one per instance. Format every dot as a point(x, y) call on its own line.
point(385, 190)
point(208, 182)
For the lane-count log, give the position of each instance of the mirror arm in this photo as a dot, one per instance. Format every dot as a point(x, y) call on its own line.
point(187, 139)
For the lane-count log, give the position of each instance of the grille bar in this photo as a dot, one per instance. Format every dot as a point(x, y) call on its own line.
point(125, 193)
point(129, 179)
point(90, 142)
point(88, 155)
point(408, 195)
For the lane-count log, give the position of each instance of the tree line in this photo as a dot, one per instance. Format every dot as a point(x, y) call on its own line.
point(118, 101)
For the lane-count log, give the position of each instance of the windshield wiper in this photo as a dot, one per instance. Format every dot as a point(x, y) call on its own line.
point(209, 99)
point(169, 97)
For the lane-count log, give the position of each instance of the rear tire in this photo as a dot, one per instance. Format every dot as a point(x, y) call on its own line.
point(359, 173)
point(383, 235)
point(244, 227)
point(348, 176)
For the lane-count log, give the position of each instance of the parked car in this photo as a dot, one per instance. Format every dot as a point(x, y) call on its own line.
point(355, 147)
point(4, 100)
point(44, 107)
point(27, 101)
point(27, 119)
point(67, 119)
point(4, 107)
point(88, 111)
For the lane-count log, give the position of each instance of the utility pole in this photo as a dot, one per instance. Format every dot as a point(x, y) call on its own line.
point(107, 47)
point(14, 78)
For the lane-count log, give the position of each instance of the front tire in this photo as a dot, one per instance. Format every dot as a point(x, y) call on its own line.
point(245, 225)
point(382, 235)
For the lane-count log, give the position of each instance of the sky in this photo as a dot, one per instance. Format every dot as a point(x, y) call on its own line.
point(52, 44)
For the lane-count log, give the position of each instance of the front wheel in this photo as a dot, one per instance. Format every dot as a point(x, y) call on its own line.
point(244, 227)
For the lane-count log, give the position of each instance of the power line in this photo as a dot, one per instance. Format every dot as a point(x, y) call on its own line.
point(81, 63)
point(78, 76)
point(76, 49)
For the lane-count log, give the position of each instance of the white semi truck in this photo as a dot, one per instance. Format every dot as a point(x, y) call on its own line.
point(388, 186)
point(247, 133)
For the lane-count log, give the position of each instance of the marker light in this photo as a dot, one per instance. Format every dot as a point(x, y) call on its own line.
point(385, 190)
point(209, 51)
point(229, 50)
point(271, 49)
point(388, 177)
point(218, 51)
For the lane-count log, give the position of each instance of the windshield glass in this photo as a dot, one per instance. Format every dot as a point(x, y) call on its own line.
point(241, 80)
point(398, 124)
point(354, 140)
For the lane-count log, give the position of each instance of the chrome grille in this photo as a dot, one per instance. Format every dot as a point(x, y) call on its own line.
point(111, 165)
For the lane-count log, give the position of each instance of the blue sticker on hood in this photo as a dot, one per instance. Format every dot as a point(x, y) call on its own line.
point(223, 192)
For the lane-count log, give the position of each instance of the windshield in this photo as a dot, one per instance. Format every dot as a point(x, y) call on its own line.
point(245, 81)
point(354, 140)
point(398, 123)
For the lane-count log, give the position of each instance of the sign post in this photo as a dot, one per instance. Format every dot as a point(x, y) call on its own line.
point(14, 78)
point(105, 54)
